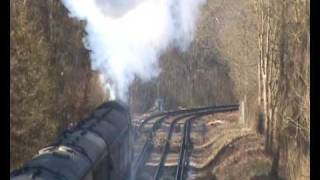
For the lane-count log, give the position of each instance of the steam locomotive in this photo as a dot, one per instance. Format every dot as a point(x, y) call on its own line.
point(98, 147)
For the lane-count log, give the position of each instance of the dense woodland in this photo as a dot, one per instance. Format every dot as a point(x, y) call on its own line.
point(254, 52)
point(51, 84)
point(284, 83)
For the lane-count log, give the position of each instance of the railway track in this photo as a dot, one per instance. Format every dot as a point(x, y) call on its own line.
point(186, 146)
point(178, 112)
point(188, 115)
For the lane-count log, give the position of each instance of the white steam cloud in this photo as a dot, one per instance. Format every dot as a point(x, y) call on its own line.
point(126, 37)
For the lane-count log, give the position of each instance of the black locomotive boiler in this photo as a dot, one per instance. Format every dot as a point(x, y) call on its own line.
point(98, 147)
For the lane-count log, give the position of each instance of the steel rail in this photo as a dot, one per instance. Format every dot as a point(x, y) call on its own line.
point(185, 150)
point(148, 146)
point(185, 144)
point(169, 134)
point(177, 112)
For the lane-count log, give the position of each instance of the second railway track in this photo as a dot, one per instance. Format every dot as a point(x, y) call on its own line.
point(188, 115)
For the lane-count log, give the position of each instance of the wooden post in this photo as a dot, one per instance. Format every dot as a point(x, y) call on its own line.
point(242, 111)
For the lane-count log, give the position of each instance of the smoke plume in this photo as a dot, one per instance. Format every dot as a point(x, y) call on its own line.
point(126, 37)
